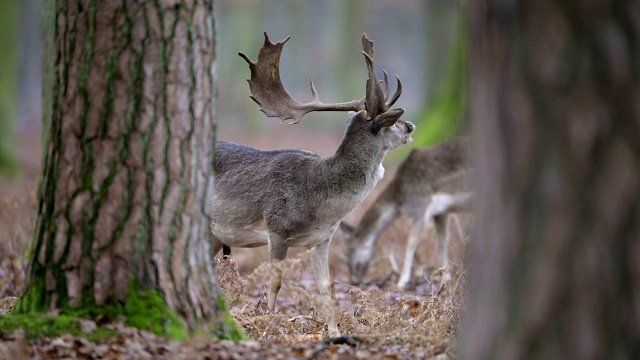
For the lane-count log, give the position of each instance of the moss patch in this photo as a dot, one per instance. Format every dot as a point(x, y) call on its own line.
point(37, 326)
point(144, 309)
point(148, 310)
point(227, 329)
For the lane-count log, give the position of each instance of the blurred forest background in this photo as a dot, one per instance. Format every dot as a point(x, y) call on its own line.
point(420, 41)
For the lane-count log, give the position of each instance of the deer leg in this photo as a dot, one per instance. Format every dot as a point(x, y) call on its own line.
point(412, 245)
point(323, 281)
point(277, 252)
point(442, 230)
point(216, 245)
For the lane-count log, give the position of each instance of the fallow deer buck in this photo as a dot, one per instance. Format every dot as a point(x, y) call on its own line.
point(296, 198)
point(429, 185)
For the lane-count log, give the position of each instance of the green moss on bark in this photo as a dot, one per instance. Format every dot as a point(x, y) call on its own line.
point(144, 309)
point(148, 310)
point(38, 326)
point(227, 329)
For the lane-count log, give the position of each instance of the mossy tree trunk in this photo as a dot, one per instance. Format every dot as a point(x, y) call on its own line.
point(556, 251)
point(129, 159)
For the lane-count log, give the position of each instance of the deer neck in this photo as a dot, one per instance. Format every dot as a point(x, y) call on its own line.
point(374, 222)
point(359, 162)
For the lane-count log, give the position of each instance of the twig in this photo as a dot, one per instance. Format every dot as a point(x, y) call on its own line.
point(304, 317)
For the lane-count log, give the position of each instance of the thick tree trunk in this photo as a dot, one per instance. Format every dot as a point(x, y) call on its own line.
point(128, 164)
point(556, 255)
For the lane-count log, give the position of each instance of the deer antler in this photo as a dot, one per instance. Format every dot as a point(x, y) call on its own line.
point(275, 101)
point(376, 100)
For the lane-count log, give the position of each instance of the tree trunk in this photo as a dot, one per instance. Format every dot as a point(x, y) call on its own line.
point(556, 106)
point(8, 87)
point(441, 18)
point(29, 66)
point(128, 164)
point(444, 117)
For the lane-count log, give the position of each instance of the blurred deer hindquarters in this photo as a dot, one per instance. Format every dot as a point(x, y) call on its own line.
point(296, 198)
point(431, 183)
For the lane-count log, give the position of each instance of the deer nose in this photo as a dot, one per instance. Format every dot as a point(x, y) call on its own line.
point(410, 126)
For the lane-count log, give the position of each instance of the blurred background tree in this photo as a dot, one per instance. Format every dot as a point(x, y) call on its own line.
point(29, 67)
point(8, 87)
point(555, 103)
point(442, 117)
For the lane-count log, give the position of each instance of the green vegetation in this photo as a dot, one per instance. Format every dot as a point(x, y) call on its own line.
point(144, 310)
point(229, 329)
point(38, 325)
point(444, 118)
point(148, 310)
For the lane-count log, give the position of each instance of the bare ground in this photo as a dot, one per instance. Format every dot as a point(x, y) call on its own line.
point(381, 322)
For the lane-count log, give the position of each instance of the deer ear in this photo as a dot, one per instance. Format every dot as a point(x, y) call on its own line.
point(362, 113)
point(387, 119)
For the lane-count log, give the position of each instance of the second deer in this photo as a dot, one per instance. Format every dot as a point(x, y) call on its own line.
point(296, 198)
point(429, 185)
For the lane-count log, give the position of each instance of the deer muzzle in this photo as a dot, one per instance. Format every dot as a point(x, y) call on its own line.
point(410, 127)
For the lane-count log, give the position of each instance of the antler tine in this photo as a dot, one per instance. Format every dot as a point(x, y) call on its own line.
point(397, 94)
point(376, 97)
point(387, 87)
point(273, 98)
point(313, 91)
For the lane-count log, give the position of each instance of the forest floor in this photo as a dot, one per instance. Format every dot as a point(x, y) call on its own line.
point(381, 321)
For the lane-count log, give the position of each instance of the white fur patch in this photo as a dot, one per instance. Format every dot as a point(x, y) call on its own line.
point(443, 202)
point(379, 174)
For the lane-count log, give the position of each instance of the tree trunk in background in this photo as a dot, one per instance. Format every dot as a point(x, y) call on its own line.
point(29, 66)
point(441, 19)
point(556, 106)
point(352, 18)
point(128, 164)
point(8, 87)
point(444, 118)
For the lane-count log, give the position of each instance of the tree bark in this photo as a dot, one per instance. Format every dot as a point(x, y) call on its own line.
point(556, 106)
point(129, 159)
